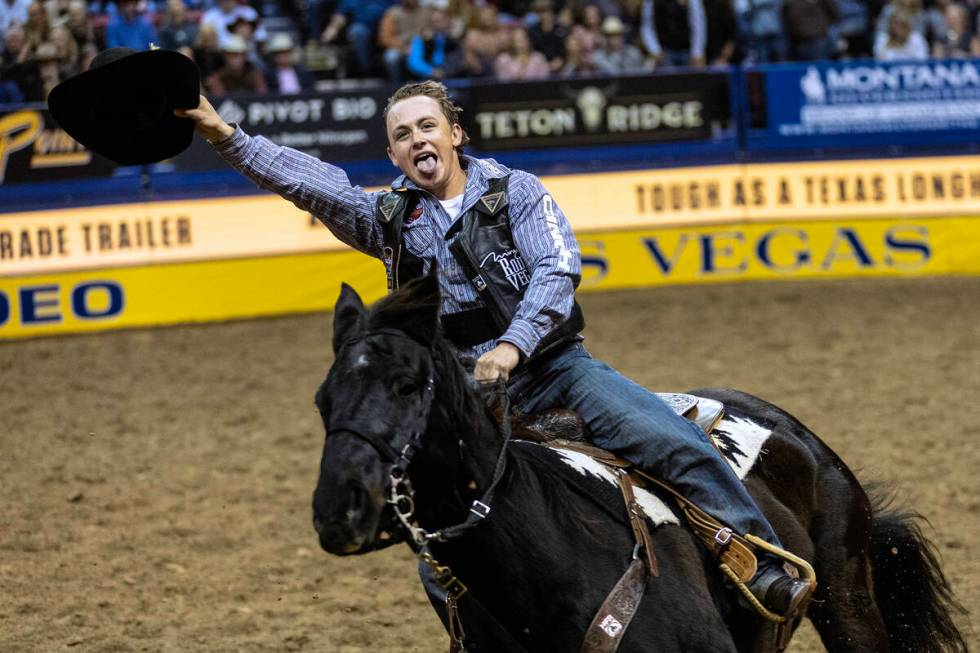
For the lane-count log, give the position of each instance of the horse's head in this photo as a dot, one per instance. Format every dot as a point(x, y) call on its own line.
point(374, 402)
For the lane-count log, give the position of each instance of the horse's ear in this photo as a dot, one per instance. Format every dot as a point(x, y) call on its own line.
point(414, 309)
point(347, 314)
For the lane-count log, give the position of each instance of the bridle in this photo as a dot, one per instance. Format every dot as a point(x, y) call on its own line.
point(401, 498)
point(400, 495)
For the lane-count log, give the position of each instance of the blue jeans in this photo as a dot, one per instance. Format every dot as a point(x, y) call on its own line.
point(630, 421)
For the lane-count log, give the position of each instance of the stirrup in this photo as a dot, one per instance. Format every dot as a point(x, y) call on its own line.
point(806, 574)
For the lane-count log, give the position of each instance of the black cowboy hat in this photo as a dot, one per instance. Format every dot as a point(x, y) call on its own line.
point(123, 106)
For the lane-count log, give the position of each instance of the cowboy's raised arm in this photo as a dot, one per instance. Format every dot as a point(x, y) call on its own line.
point(312, 185)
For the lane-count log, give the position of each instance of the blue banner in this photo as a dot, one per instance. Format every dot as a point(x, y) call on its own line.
point(863, 103)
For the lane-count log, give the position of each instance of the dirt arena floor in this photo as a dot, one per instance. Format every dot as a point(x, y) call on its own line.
point(156, 484)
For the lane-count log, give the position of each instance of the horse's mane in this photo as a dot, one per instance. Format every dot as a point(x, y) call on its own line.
point(465, 399)
point(460, 396)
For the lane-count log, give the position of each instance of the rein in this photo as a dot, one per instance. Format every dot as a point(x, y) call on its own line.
point(402, 500)
point(403, 504)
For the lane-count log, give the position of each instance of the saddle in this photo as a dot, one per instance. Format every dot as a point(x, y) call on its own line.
point(564, 429)
point(561, 424)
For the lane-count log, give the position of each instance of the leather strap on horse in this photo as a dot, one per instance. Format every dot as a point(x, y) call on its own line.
point(615, 614)
point(729, 547)
point(736, 552)
point(609, 625)
point(638, 521)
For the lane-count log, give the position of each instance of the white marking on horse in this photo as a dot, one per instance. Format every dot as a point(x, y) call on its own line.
point(652, 506)
point(740, 440)
point(361, 361)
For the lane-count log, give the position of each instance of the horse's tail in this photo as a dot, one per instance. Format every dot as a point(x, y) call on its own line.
point(915, 599)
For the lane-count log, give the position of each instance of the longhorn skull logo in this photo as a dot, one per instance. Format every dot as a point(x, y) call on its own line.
point(591, 101)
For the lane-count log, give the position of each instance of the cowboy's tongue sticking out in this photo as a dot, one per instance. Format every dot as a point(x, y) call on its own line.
point(427, 165)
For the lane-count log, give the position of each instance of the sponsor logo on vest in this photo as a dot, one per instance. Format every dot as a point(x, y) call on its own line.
point(512, 265)
point(414, 215)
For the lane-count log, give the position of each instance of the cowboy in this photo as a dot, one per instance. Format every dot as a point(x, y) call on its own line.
point(508, 293)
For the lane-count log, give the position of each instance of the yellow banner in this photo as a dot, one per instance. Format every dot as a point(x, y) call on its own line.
point(103, 237)
point(226, 289)
point(766, 192)
point(263, 225)
point(824, 249)
point(182, 292)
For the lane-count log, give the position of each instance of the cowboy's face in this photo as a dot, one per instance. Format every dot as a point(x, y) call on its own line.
point(422, 143)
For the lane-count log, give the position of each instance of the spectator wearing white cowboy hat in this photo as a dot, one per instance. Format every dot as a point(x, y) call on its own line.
point(616, 56)
point(238, 75)
point(223, 16)
point(247, 29)
point(283, 75)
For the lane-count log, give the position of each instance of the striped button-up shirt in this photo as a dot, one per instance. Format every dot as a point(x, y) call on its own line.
point(540, 230)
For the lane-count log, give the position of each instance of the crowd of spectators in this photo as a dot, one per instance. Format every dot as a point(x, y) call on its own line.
point(262, 45)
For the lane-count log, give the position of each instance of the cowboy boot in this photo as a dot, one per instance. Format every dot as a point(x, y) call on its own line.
point(778, 591)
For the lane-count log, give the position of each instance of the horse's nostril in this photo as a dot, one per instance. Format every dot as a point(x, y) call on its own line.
point(358, 500)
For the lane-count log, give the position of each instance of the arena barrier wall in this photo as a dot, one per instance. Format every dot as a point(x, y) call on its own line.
point(129, 265)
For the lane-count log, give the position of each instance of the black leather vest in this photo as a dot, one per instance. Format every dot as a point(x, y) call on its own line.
point(481, 242)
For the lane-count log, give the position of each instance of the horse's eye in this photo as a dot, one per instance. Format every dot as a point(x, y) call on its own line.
point(407, 389)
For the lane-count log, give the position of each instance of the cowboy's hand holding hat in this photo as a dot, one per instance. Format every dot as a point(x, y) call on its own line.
point(207, 122)
point(122, 107)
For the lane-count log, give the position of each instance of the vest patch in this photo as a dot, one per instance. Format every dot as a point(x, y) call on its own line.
point(414, 215)
point(512, 265)
point(492, 201)
point(388, 205)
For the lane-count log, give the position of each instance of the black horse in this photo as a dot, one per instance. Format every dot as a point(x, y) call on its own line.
point(553, 545)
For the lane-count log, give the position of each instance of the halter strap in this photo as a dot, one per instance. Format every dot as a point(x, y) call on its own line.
point(387, 452)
